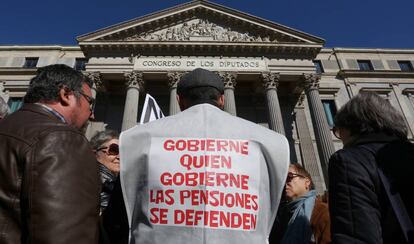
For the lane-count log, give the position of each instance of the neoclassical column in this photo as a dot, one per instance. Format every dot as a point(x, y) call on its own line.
point(97, 85)
point(320, 124)
point(97, 82)
point(229, 79)
point(5, 93)
point(350, 87)
point(270, 83)
point(2, 95)
point(405, 109)
point(134, 82)
point(410, 97)
point(309, 161)
point(173, 79)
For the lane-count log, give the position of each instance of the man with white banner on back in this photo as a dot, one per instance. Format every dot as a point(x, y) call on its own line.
point(203, 175)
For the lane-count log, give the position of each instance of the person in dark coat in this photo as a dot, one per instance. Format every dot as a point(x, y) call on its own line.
point(302, 217)
point(374, 135)
point(115, 220)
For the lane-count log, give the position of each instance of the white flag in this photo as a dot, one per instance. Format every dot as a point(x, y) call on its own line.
point(151, 111)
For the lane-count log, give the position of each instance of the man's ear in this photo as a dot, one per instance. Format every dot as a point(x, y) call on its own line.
point(220, 102)
point(182, 103)
point(64, 96)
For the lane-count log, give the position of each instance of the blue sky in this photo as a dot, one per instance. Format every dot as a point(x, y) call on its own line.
point(342, 23)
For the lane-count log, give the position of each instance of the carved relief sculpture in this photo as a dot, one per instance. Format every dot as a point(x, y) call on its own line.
point(195, 30)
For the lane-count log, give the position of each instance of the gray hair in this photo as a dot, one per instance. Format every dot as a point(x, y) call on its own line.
point(369, 113)
point(101, 137)
point(4, 108)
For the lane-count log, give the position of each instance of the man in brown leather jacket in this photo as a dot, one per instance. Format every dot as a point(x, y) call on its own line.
point(49, 182)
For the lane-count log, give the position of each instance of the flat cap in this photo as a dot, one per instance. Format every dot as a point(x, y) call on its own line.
point(199, 78)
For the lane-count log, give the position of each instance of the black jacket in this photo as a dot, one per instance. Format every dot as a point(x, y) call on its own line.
point(49, 181)
point(359, 207)
point(115, 220)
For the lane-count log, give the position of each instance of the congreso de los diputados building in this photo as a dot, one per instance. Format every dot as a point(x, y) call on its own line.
point(276, 76)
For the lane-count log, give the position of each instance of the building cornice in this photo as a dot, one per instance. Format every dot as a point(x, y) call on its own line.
point(39, 47)
point(376, 74)
point(202, 47)
point(17, 71)
point(372, 50)
point(409, 91)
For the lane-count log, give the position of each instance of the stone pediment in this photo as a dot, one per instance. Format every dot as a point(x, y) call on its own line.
point(200, 30)
point(200, 21)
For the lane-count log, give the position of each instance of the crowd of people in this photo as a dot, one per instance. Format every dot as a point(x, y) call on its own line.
point(58, 187)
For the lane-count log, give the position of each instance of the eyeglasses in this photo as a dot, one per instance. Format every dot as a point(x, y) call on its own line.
point(90, 100)
point(290, 176)
point(336, 133)
point(113, 150)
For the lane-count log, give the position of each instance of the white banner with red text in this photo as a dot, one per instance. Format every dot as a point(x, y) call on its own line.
point(204, 182)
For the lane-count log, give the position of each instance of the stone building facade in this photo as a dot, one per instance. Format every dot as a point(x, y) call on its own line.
point(275, 76)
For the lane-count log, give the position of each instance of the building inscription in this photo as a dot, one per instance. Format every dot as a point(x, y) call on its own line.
point(190, 64)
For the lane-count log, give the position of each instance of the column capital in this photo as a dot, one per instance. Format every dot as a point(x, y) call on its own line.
point(174, 78)
point(96, 79)
point(134, 79)
point(229, 79)
point(311, 81)
point(270, 80)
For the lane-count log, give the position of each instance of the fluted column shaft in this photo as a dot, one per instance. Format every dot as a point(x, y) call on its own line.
point(134, 81)
point(173, 79)
point(309, 161)
point(411, 97)
point(2, 95)
point(403, 106)
point(229, 80)
point(322, 132)
point(97, 85)
point(270, 83)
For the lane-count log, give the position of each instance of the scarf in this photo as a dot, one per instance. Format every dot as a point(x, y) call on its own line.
point(108, 182)
point(299, 229)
